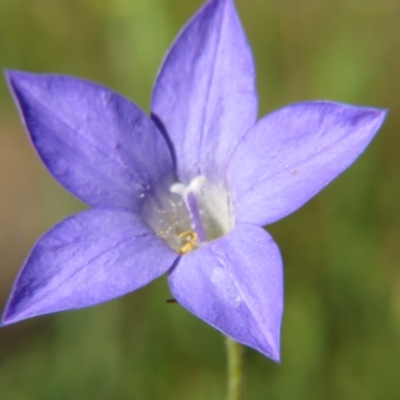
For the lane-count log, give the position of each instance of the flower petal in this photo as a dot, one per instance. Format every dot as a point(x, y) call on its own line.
point(87, 259)
point(291, 154)
point(97, 144)
point(236, 285)
point(205, 94)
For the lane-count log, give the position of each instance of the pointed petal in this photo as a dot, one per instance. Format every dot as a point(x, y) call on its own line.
point(236, 285)
point(97, 144)
point(205, 94)
point(87, 259)
point(291, 154)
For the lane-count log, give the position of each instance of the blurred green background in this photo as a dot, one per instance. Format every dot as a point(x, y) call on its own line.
point(341, 328)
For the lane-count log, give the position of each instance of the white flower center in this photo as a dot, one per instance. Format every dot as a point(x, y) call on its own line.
point(191, 214)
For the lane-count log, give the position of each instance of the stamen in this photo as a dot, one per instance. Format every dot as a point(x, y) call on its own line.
point(190, 239)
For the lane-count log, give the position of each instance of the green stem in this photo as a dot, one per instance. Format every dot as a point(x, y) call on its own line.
point(235, 369)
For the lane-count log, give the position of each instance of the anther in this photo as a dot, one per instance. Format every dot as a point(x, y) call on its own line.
point(190, 241)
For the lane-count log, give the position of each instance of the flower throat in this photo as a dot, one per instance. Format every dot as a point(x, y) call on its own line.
point(192, 214)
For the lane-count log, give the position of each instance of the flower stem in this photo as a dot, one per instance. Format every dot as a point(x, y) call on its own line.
point(235, 369)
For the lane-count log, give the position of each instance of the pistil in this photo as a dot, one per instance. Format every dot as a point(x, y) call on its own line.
point(189, 194)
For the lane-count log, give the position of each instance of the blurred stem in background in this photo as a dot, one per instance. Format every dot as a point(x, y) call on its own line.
point(234, 354)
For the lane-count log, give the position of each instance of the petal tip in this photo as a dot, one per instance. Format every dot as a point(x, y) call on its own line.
point(9, 77)
point(6, 319)
point(275, 354)
point(12, 75)
point(7, 72)
point(268, 347)
point(15, 81)
point(271, 348)
point(376, 118)
point(376, 112)
point(276, 358)
point(381, 114)
point(19, 82)
point(10, 315)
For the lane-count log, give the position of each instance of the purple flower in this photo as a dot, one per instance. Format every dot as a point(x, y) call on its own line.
point(185, 191)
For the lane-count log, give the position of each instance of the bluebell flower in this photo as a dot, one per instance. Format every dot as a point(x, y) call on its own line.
point(185, 191)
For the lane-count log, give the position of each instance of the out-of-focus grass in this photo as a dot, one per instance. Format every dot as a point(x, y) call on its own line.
point(341, 327)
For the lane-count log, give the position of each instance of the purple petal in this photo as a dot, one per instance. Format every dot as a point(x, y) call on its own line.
point(236, 285)
point(87, 259)
point(291, 154)
point(205, 92)
point(97, 144)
